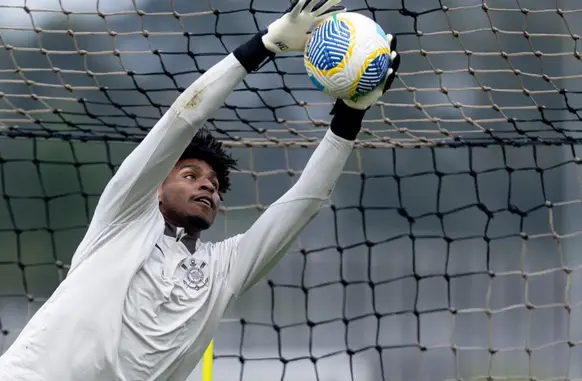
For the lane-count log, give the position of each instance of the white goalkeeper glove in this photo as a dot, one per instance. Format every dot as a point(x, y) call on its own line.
point(289, 32)
point(370, 98)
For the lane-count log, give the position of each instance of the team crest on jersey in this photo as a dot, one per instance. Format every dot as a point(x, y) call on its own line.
point(196, 276)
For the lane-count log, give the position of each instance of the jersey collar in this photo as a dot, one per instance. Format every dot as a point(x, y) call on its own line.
point(179, 234)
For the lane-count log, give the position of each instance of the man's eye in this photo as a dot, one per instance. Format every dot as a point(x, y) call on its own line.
point(190, 177)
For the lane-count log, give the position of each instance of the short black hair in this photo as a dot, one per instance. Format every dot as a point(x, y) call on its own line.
point(207, 148)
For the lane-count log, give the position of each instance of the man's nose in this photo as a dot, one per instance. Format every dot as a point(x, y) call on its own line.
point(206, 184)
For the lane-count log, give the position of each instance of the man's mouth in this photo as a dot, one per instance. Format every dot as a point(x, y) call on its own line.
point(205, 200)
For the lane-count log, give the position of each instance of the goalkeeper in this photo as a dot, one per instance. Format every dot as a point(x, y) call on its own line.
point(144, 296)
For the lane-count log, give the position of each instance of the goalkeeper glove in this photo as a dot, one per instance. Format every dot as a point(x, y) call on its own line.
point(289, 32)
point(348, 114)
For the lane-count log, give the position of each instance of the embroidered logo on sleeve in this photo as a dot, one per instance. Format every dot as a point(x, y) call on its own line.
point(197, 275)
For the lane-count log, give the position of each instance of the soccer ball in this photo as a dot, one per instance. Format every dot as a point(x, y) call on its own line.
point(347, 55)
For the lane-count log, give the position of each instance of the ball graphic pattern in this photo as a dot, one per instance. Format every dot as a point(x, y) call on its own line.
point(330, 45)
point(374, 73)
point(347, 55)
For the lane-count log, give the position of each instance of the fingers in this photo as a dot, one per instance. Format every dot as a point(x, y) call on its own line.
point(310, 5)
point(393, 41)
point(394, 61)
point(394, 65)
point(297, 7)
point(330, 12)
point(325, 6)
point(389, 80)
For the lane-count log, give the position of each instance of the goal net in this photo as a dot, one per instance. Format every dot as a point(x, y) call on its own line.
point(450, 249)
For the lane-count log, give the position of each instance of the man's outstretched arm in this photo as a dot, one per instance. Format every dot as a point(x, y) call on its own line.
point(257, 250)
point(131, 194)
point(269, 238)
point(132, 190)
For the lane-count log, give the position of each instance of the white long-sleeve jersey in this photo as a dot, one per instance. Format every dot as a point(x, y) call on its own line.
point(139, 302)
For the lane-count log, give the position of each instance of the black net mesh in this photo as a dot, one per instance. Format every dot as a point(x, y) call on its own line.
point(449, 249)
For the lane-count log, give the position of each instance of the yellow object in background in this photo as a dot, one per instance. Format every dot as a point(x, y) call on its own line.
point(207, 361)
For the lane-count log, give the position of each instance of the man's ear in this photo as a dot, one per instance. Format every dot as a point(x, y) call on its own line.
point(160, 193)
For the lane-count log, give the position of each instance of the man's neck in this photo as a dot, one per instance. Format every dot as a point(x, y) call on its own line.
point(181, 235)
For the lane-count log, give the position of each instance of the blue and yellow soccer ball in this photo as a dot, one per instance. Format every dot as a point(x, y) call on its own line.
point(347, 55)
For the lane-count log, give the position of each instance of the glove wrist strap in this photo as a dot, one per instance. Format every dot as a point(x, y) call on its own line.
point(253, 53)
point(346, 122)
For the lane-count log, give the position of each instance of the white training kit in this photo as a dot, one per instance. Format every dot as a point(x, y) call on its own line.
point(140, 303)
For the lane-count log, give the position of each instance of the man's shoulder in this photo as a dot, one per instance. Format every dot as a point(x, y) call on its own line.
point(129, 237)
point(227, 244)
point(146, 231)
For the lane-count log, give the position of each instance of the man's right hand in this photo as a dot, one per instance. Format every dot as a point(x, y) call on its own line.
point(289, 32)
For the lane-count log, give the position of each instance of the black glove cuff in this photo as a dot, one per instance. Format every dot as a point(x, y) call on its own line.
point(346, 122)
point(253, 52)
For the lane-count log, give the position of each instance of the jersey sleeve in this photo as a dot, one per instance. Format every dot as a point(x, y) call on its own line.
point(258, 250)
point(133, 189)
point(131, 194)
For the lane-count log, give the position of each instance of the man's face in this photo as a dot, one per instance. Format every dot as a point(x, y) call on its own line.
point(189, 196)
